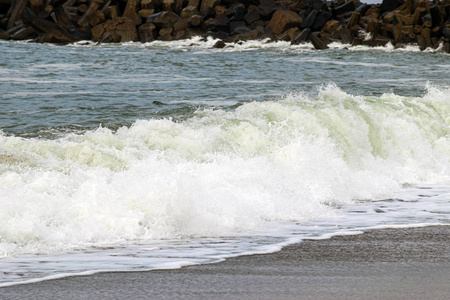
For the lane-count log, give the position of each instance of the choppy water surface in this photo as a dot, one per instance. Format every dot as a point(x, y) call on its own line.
point(136, 157)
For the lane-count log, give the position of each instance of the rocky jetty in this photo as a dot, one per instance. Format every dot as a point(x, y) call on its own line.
point(399, 22)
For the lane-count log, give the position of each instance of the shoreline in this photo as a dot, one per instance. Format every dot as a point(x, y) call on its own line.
point(407, 263)
point(416, 22)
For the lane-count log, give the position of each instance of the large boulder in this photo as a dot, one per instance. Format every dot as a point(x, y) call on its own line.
point(266, 7)
point(252, 16)
point(4, 35)
point(321, 18)
point(316, 4)
point(446, 47)
point(164, 19)
point(389, 5)
point(147, 32)
point(188, 12)
point(308, 22)
point(49, 31)
point(302, 37)
point(116, 30)
point(319, 40)
point(446, 32)
point(331, 26)
point(208, 5)
point(219, 23)
point(131, 12)
point(282, 20)
point(344, 8)
point(250, 35)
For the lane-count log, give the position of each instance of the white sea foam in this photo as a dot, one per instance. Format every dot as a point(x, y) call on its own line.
point(218, 173)
point(202, 44)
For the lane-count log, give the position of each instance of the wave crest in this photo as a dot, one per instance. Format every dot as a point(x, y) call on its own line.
point(220, 172)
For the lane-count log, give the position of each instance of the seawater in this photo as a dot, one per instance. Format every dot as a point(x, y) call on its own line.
point(151, 156)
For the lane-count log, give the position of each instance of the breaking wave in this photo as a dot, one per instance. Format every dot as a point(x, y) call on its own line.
point(219, 173)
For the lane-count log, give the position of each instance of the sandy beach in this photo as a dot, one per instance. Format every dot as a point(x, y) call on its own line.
point(379, 264)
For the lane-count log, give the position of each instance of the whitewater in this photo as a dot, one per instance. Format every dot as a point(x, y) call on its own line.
point(179, 170)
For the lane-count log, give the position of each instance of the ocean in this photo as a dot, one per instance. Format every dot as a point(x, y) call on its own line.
point(133, 157)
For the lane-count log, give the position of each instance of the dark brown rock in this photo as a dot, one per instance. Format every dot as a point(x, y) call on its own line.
point(178, 35)
point(63, 18)
point(252, 16)
point(354, 19)
point(266, 8)
point(219, 35)
point(427, 21)
point(145, 13)
point(131, 12)
point(188, 12)
point(319, 41)
point(283, 20)
point(220, 9)
point(403, 34)
point(50, 31)
point(373, 27)
point(309, 21)
point(165, 31)
point(147, 32)
point(347, 36)
point(219, 44)
point(163, 19)
point(446, 32)
point(4, 35)
point(178, 6)
point(293, 32)
point(191, 32)
point(219, 23)
point(446, 47)
point(435, 15)
point(363, 8)
point(195, 3)
point(302, 37)
point(206, 5)
point(167, 5)
point(116, 30)
point(316, 4)
point(357, 41)
point(424, 39)
point(238, 27)
point(196, 20)
point(250, 35)
point(377, 42)
point(321, 18)
point(419, 13)
point(167, 37)
point(389, 5)
point(84, 20)
point(239, 13)
point(372, 12)
point(113, 11)
point(97, 18)
point(16, 9)
point(257, 24)
point(331, 26)
point(344, 8)
point(22, 32)
point(182, 25)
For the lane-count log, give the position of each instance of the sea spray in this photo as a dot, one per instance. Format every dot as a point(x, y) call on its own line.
point(218, 173)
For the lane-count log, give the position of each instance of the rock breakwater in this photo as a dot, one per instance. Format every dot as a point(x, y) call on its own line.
point(399, 22)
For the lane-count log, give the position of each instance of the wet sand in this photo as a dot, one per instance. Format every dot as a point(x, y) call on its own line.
point(379, 264)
